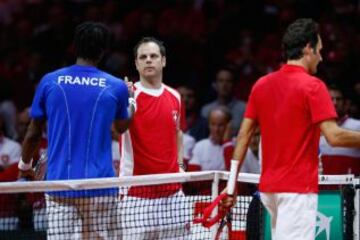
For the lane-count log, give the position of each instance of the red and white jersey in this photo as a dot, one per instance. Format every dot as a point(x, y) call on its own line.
point(150, 144)
point(10, 152)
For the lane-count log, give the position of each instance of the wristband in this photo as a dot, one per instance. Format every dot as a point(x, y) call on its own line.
point(132, 102)
point(25, 166)
point(233, 175)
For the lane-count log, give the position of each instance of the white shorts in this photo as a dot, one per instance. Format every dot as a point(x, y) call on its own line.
point(82, 218)
point(293, 215)
point(160, 218)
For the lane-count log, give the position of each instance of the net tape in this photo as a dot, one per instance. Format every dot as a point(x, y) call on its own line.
point(146, 180)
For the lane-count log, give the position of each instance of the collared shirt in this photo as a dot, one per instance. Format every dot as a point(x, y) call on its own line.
point(289, 104)
point(80, 104)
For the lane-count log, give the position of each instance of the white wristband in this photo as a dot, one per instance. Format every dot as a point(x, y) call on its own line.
point(132, 102)
point(233, 176)
point(25, 166)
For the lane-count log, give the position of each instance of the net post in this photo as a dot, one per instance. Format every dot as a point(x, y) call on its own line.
point(357, 209)
point(214, 194)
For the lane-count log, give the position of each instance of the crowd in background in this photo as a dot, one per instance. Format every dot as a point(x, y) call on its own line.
point(216, 50)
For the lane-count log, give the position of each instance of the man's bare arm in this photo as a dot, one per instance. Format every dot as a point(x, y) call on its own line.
point(180, 147)
point(32, 139)
point(339, 137)
point(30, 146)
point(246, 131)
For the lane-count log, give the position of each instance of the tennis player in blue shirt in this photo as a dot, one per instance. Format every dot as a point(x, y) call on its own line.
point(79, 103)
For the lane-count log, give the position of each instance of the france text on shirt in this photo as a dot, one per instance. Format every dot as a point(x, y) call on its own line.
point(87, 81)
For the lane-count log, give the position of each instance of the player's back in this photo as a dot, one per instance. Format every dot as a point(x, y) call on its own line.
point(81, 103)
point(287, 104)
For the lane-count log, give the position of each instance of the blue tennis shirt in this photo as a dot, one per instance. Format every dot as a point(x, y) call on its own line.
point(80, 104)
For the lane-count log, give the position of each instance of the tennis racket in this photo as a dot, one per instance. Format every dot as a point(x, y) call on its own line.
point(224, 216)
point(40, 167)
point(224, 230)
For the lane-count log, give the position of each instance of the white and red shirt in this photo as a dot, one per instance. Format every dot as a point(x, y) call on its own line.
point(289, 104)
point(341, 160)
point(10, 152)
point(188, 143)
point(208, 155)
point(150, 144)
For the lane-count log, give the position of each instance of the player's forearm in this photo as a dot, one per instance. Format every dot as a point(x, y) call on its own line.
point(180, 147)
point(346, 138)
point(339, 137)
point(32, 140)
point(242, 142)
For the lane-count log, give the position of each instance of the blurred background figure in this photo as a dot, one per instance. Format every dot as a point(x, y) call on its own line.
point(340, 160)
point(8, 112)
point(10, 153)
point(224, 86)
point(252, 159)
point(209, 153)
point(196, 125)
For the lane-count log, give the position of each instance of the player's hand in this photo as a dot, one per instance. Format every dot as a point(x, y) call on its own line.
point(130, 86)
point(228, 202)
point(28, 175)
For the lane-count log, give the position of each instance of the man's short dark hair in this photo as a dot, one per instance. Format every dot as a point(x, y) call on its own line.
point(227, 68)
point(91, 40)
point(147, 40)
point(298, 34)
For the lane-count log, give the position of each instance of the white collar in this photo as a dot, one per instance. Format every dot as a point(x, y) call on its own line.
point(150, 91)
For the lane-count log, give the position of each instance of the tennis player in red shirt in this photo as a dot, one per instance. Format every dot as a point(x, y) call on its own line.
point(292, 108)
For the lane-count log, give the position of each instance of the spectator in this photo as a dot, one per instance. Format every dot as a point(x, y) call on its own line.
point(10, 153)
point(188, 146)
point(252, 158)
point(8, 113)
point(196, 125)
point(224, 86)
point(209, 153)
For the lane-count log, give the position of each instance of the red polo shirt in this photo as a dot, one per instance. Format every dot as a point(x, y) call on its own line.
point(289, 104)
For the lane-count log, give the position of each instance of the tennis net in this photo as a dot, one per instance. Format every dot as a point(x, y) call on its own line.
point(161, 206)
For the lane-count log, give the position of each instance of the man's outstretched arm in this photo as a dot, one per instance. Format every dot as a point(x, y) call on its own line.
point(246, 131)
point(29, 147)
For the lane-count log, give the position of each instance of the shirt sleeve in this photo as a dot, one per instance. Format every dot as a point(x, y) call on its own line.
point(38, 106)
point(123, 103)
point(319, 102)
point(183, 125)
